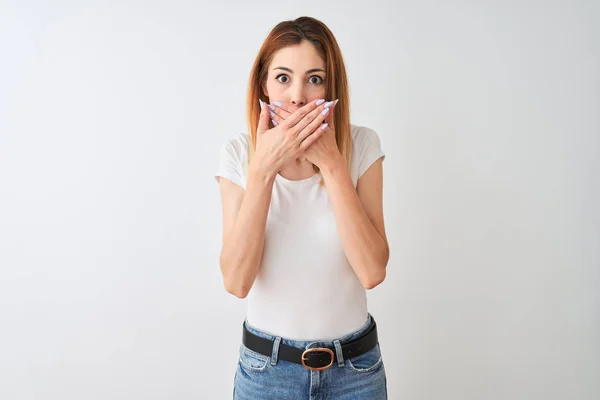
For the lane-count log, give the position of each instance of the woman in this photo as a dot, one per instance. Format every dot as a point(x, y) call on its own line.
point(303, 229)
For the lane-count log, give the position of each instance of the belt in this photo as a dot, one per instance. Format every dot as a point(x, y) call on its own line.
point(318, 358)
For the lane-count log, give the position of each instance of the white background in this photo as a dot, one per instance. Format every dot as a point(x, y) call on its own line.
point(111, 117)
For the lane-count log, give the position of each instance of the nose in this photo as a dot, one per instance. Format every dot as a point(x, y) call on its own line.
point(297, 95)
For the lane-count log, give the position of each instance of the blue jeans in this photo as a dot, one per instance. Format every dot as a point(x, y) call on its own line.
point(260, 377)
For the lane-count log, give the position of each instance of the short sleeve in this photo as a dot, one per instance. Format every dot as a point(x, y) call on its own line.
point(369, 150)
point(230, 162)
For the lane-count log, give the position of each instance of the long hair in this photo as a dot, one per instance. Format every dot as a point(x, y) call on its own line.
point(292, 33)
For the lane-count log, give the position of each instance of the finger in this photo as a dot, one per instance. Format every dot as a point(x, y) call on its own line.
point(276, 108)
point(263, 122)
point(275, 116)
point(310, 129)
point(317, 115)
point(303, 112)
point(276, 119)
point(329, 118)
point(313, 137)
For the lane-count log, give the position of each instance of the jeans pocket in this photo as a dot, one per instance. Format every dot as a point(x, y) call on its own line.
point(253, 361)
point(366, 362)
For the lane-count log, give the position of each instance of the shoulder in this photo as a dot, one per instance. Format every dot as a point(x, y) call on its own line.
point(237, 145)
point(366, 149)
point(234, 158)
point(362, 135)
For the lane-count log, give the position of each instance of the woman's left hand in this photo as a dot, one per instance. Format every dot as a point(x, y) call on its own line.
point(324, 149)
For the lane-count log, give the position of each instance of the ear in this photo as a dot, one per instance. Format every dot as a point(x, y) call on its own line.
point(264, 90)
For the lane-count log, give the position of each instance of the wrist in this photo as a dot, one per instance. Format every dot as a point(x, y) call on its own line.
point(333, 163)
point(261, 173)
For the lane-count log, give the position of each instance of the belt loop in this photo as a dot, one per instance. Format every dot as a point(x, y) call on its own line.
point(275, 350)
point(338, 351)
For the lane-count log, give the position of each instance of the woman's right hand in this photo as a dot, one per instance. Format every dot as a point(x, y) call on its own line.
point(278, 146)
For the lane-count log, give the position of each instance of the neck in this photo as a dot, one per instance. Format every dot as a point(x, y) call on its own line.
point(298, 169)
point(301, 163)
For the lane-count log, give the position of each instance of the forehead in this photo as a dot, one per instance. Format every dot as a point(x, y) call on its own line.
point(301, 57)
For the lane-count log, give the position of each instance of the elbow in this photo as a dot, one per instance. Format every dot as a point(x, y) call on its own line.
point(378, 276)
point(234, 287)
point(232, 284)
point(237, 291)
point(373, 281)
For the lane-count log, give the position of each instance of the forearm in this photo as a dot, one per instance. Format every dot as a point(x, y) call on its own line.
point(364, 247)
point(242, 250)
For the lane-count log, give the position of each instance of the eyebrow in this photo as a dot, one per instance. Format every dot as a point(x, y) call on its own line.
point(307, 72)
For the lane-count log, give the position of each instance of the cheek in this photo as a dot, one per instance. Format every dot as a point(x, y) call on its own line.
point(320, 91)
point(275, 91)
point(278, 91)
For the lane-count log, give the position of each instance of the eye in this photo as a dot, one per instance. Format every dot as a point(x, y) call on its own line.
point(282, 76)
point(315, 79)
point(319, 80)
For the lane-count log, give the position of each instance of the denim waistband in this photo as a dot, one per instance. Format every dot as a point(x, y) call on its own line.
point(305, 344)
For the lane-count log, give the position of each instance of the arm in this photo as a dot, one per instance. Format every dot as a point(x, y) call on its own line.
point(244, 222)
point(359, 217)
point(245, 212)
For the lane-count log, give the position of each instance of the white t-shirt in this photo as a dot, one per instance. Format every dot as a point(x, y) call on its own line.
point(305, 288)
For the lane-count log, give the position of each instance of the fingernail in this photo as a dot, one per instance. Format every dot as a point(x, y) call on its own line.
point(271, 107)
point(319, 102)
point(261, 103)
point(324, 126)
point(325, 111)
point(331, 103)
point(274, 122)
point(335, 104)
point(272, 113)
point(278, 104)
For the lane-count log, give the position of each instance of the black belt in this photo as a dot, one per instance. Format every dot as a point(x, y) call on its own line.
point(318, 358)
